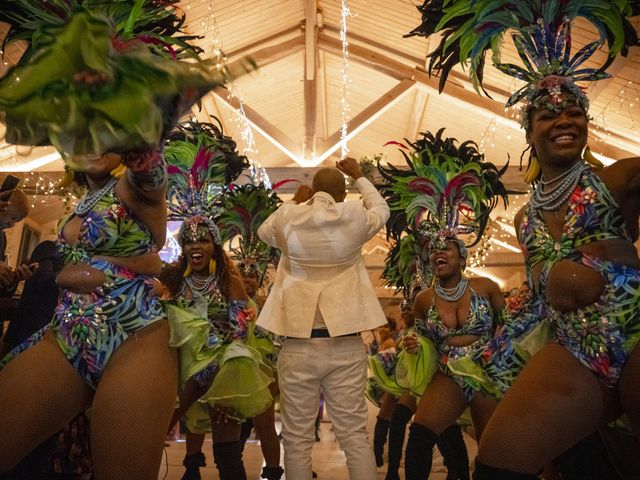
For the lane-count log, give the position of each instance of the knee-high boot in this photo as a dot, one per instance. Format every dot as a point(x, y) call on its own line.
point(228, 458)
point(272, 473)
point(192, 464)
point(419, 454)
point(454, 452)
point(486, 472)
point(380, 432)
point(397, 427)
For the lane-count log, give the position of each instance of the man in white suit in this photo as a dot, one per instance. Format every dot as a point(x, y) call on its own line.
point(321, 300)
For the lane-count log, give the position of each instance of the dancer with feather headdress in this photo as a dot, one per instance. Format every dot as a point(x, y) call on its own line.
point(103, 82)
point(223, 370)
point(576, 233)
point(447, 192)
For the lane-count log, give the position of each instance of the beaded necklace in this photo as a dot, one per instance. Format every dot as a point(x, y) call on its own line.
point(452, 294)
point(554, 198)
point(92, 197)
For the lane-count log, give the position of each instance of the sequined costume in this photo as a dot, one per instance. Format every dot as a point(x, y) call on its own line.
point(222, 355)
point(600, 335)
point(478, 323)
point(89, 327)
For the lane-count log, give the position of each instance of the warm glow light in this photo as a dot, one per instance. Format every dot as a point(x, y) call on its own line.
point(505, 245)
point(483, 273)
point(29, 165)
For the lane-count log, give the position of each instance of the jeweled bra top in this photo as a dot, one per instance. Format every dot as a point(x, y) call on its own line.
point(110, 229)
point(592, 215)
point(479, 322)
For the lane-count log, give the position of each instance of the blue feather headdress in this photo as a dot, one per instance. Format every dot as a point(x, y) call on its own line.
point(201, 163)
point(541, 32)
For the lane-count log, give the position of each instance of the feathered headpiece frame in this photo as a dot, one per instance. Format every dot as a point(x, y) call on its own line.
point(541, 32)
point(448, 191)
point(201, 163)
point(406, 265)
point(246, 207)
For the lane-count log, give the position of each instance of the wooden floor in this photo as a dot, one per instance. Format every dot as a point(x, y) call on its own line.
point(328, 459)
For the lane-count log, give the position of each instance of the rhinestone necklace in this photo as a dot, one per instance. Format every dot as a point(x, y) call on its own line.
point(92, 197)
point(554, 198)
point(198, 285)
point(452, 294)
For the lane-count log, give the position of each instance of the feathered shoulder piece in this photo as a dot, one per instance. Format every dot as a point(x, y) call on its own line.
point(447, 190)
point(201, 162)
point(246, 207)
point(541, 32)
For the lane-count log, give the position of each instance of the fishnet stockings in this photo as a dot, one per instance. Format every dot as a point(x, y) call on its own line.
point(40, 393)
point(133, 405)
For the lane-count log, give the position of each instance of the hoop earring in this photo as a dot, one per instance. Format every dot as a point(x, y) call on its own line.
point(212, 266)
point(187, 271)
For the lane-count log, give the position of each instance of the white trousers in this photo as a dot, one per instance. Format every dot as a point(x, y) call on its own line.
point(337, 367)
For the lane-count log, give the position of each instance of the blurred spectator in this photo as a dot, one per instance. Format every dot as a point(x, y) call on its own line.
point(38, 299)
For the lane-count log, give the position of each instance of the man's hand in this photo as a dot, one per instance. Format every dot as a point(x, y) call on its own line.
point(303, 194)
point(24, 271)
point(349, 166)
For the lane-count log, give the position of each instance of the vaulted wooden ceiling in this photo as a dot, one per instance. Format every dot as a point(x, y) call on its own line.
point(292, 102)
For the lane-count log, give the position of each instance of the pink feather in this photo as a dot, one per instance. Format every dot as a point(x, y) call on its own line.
point(201, 161)
point(421, 185)
point(456, 184)
point(393, 142)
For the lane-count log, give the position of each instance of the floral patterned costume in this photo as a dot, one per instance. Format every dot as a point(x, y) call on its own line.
point(89, 327)
point(600, 335)
point(479, 323)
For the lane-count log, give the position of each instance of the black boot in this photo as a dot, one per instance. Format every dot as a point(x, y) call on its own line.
point(397, 427)
point(380, 432)
point(485, 472)
point(228, 458)
point(419, 454)
point(454, 452)
point(192, 464)
point(272, 473)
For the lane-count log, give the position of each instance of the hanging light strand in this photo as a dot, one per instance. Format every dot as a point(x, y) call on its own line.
point(257, 173)
point(346, 80)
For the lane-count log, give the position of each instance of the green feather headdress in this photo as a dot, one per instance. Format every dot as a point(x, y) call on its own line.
point(201, 162)
point(541, 32)
point(447, 191)
point(246, 207)
point(101, 76)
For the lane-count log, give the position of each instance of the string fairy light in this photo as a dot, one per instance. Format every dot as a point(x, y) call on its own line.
point(346, 80)
point(257, 173)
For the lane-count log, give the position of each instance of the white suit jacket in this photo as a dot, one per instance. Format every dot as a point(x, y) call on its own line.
point(321, 265)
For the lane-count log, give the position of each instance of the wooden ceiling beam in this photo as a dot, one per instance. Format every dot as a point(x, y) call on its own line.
point(454, 92)
point(271, 48)
point(310, 77)
point(417, 113)
point(365, 118)
point(267, 55)
point(268, 130)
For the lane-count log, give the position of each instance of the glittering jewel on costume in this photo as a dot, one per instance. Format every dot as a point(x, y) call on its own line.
point(554, 197)
point(198, 285)
point(92, 197)
point(452, 294)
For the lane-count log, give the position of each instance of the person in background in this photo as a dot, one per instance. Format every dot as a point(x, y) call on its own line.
point(14, 207)
point(38, 299)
